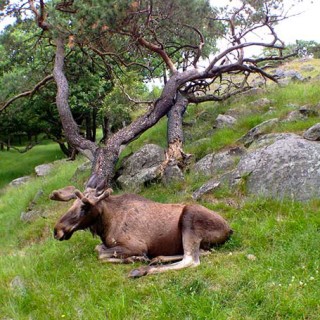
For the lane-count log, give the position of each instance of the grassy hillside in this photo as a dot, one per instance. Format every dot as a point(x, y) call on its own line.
point(14, 164)
point(268, 270)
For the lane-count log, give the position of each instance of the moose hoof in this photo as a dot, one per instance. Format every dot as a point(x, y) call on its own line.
point(137, 273)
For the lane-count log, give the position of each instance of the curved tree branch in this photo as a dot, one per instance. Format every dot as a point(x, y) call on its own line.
point(40, 84)
point(163, 54)
point(199, 47)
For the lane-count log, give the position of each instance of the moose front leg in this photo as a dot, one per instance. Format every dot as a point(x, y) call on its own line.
point(119, 254)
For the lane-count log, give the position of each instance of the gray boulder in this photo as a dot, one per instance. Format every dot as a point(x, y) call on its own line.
point(258, 131)
point(223, 121)
point(216, 163)
point(172, 173)
point(294, 116)
point(254, 91)
point(289, 167)
point(302, 113)
point(32, 215)
point(313, 133)
point(83, 169)
point(261, 102)
point(43, 169)
point(19, 181)
point(268, 139)
point(142, 167)
point(291, 74)
point(307, 67)
point(148, 156)
point(136, 182)
point(308, 112)
point(209, 186)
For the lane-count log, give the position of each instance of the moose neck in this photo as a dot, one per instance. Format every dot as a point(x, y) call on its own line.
point(97, 227)
point(102, 223)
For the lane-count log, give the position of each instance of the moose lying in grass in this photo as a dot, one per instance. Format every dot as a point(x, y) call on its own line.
point(133, 228)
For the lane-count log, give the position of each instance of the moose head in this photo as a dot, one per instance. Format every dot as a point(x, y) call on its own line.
point(83, 212)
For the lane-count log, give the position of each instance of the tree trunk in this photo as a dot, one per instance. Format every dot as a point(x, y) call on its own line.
point(64, 149)
point(70, 127)
point(175, 116)
point(175, 154)
point(9, 143)
point(94, 123)
point(88, 127)
point(105, 129)
point(104, 159)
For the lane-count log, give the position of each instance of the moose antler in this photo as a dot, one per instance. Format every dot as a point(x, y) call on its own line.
point(64, 194)
point(90, 196)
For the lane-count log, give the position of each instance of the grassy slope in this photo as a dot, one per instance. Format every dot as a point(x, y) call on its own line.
point(269, 269)
point(14, 165)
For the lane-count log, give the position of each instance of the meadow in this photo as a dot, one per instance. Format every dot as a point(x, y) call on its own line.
point(268, 270)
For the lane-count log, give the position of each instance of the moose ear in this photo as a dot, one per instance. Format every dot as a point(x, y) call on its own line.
point(64, 194)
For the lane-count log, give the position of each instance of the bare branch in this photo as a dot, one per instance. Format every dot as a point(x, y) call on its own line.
point(211, 97)
point(148, 102)
point(29, 92)
point(199, 47)
point(269, 58)
point(163, 54)
point(40, 15)
point(102, 54)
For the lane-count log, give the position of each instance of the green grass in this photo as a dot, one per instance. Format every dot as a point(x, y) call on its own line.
point(268, 270)
point(65, 279)
point(14, 164)
point(297, 93)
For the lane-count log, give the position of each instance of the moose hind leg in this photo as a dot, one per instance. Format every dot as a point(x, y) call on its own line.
point(191, 248)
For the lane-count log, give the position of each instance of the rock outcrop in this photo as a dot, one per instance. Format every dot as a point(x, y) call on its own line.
point(216, 163)
point(276, 165)
point(287, 168)
point(141, 168)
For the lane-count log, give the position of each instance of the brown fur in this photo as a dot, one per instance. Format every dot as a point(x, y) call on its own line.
point(134, 228)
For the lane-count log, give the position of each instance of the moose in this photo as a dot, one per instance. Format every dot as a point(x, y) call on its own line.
point(133, 228)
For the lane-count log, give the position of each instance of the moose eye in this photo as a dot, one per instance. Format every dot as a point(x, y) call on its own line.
point(84, 210)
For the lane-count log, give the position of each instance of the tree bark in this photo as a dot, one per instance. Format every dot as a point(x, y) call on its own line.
point(105, 129)
point(70, 127)
point(94, 123)
point(175, 116)
point(64, 149)
point(175, 154)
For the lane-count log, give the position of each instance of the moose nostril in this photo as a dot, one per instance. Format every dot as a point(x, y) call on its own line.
point(54, 232)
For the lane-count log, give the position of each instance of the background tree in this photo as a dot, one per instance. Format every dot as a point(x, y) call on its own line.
point(148, 35)
point(29, 57)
